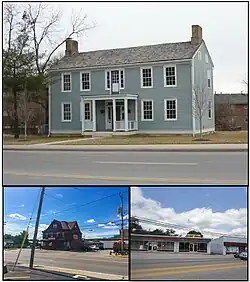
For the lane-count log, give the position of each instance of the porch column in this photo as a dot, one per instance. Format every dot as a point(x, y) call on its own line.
point(209, 248)
point(94, 114)
point(114, 115)
point(82, 113)
point(126, 113)
point(136, 114)
point(176, 247)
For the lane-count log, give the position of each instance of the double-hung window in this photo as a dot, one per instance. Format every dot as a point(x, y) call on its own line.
point(170, 107)
point(147, 110)
point(66, 82)
point(170, 77)
point(146, 77)
point(114, 76)
point(66, 112)
point(85, 81)
point(209, 78)
point(209, 109)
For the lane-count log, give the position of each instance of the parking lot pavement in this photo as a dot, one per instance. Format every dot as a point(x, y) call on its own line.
point(80, 263)
point(166, 266)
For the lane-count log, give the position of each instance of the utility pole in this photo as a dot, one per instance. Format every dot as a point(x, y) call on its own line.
point(32, 255)
point(122, 224)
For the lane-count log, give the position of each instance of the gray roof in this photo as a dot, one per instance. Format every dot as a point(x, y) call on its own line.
point(234, 99)
point(126, 56)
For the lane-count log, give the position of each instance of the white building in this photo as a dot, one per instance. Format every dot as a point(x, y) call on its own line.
point(228, 245)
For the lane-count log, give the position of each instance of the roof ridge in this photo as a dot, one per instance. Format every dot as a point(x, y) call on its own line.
point(132, 47)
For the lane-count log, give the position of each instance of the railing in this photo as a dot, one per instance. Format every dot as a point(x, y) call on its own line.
point(88, 125)
point(132, 125)
point(120, 125)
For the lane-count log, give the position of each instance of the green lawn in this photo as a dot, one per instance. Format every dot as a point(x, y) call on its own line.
point(222, 137)
point(9, 140)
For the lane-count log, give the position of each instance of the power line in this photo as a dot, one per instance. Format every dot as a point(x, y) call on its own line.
point(88, 203)
point(166, 224)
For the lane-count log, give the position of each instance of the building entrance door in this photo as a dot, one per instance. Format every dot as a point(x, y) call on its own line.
point(193, 247)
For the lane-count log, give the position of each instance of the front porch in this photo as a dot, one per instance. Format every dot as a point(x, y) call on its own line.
point(110, 114)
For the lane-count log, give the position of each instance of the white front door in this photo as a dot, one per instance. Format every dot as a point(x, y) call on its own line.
point(109, 116)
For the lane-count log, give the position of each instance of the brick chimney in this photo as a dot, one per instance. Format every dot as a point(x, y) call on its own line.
point(71, 47)
point(196, 35)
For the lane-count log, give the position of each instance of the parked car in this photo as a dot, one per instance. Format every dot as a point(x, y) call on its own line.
point(5, 270)
point(236, 255)
point(243, 256)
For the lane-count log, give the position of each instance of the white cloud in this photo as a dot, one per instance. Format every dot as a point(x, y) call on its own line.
point(232, 221)
point(91, 220)
point(59, 195)
point(17, 216)
point(101, 234)
point(109, 225)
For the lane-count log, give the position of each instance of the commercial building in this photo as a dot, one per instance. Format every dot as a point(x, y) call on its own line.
point(228, 245)
point(146, 242)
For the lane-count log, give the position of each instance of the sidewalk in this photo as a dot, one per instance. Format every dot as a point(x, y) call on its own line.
point(138, 148)
point(23, 273)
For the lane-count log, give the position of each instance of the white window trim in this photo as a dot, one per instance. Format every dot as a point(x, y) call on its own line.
point(199, 55)
point(62, 111)
point(85, 90)
point(164, 76)
point(210, 102)
point(206, 58)
point(209, 76)
point(117, 69)
point(62, 81)
point(165, 109)
point(90, 110)
point(141, 71)
point(142, 109)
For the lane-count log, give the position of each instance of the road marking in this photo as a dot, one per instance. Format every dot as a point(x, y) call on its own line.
point(204, 269)
point(185, 266)
point(145, 180)
point(144, 163)
point(84, 273)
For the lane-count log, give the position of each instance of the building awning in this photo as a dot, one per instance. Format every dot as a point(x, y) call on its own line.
point(235, 244)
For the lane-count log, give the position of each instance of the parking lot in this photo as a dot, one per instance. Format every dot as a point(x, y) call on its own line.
point(74, 263)
point(186, 266)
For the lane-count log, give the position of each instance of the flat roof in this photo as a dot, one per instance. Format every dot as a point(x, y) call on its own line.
point(170, 238)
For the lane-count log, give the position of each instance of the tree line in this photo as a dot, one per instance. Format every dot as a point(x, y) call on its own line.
point(33, 37)
point(136, 228)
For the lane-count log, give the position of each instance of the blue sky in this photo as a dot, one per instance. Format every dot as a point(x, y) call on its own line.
point(213, 211)
point(185, 198)
point(96, 219)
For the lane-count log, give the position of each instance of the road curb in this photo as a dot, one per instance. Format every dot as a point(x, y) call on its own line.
point(98, 148)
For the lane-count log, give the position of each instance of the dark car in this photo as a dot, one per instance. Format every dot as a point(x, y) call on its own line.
point(5, 270)
point(243, 256)
point(237, 255)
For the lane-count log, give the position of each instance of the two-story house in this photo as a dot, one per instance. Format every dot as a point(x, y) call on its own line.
point(145, 89)
point(62, 235)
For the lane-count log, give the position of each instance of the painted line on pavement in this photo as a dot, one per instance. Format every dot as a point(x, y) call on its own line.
point(84, 273)
point(143, 163)
point(185, 267)
point(145, 180)
point(205, 269)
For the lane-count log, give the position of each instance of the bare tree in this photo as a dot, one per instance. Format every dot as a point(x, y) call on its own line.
point(200, 107)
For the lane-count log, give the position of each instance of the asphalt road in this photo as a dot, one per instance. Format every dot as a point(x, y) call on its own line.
point(98, 262)
point(167, 266)
point(34, 167)
point(24, 273)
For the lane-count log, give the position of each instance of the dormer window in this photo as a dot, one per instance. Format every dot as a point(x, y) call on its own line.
point(55, 225)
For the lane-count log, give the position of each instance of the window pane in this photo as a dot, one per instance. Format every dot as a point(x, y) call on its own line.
point(171, 109)
point(147, 110)
point(85, 81)
point(66, 82)
point(87, 115)
point(170, 76)
point(122, 79)
point(146, 78)
point(108, 79)
point(67, 112)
